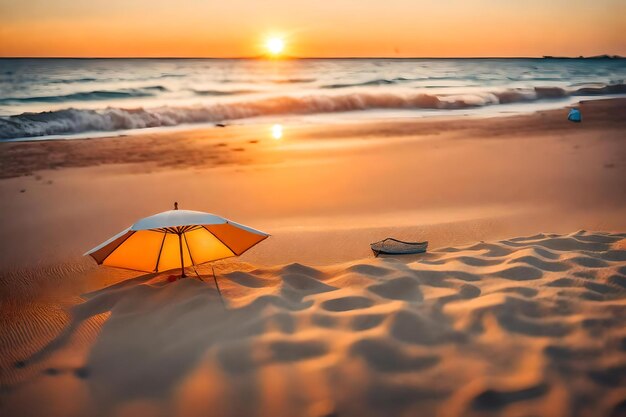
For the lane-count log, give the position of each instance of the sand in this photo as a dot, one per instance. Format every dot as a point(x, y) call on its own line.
point(486, 323)
point(525, 326)
point(325, 191)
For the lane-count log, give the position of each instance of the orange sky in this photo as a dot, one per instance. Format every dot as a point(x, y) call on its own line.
point(197, 28)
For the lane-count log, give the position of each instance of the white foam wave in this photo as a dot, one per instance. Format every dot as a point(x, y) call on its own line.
point(73, 121)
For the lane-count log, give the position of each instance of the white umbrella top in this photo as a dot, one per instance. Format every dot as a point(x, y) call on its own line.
point(181, 218)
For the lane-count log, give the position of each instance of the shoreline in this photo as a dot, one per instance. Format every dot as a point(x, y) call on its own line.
point(610, 112)
point(371, 116)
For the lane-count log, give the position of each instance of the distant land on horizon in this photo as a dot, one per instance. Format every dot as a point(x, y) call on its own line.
point(604, 56)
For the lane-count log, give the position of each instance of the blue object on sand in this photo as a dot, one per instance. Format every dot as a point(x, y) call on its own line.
point(574, 116)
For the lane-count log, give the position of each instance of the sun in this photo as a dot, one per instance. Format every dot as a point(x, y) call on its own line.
point(275, 46)
point(277, 131)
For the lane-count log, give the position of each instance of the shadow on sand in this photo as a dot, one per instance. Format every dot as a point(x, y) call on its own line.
point(158, 331)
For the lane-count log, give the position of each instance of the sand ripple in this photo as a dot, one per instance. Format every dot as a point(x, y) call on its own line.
point(527, 326)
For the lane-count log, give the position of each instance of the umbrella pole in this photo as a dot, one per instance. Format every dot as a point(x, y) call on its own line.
point(182, 263)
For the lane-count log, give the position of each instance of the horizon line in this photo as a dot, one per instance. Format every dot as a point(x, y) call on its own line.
point(287, 58)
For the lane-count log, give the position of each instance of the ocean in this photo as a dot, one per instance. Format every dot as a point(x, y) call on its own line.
point(67, 98)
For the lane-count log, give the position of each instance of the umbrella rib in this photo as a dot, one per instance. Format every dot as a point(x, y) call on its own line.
point(156, 267)
point(189, 250)
point(221, 241)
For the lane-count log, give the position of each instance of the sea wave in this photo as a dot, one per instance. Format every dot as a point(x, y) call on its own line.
point(73, 121)
point(268, 80)
point(293, 80)
point(90, 95)
point(369, 83)
point(221, 92)
point(601, 90)
point(73, 80)
point(587, 89)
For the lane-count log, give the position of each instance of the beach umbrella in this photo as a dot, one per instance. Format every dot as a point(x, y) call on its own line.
point(176, 239)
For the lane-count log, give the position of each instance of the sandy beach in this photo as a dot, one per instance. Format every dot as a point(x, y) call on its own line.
point(326, 191)
point(518, 309)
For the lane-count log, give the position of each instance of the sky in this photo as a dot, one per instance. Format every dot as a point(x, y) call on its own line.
point(312, 28)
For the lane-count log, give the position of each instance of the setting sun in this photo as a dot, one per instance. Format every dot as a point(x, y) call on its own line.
point(275, 46)
point(277, 131)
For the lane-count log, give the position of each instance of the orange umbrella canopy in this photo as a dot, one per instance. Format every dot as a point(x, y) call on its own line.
point(176, 238)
